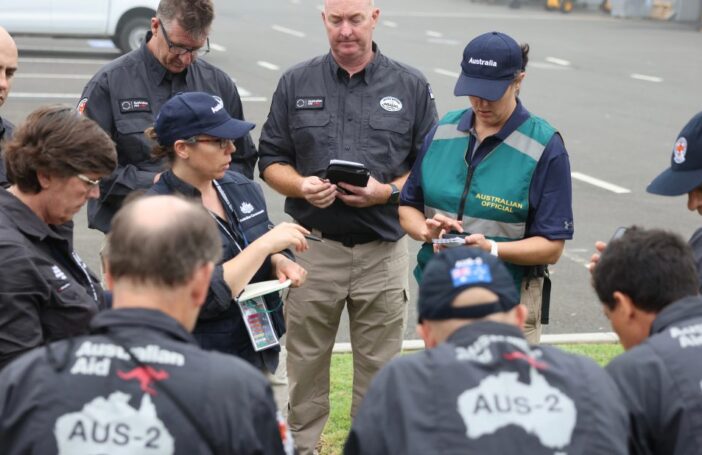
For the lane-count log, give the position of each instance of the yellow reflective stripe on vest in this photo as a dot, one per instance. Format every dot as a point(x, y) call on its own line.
point(489, 228)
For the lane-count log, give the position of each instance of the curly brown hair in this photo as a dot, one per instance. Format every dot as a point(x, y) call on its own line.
point(60, 142)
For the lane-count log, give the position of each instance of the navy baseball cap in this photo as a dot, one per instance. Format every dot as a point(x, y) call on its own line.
point(490, 63)
point(454, 270)
point(685, 171)
point(193, 113)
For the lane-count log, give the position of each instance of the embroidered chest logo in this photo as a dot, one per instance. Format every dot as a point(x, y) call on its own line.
point(246, 208)
point(391, 104)
point(128, 106)
point(314, 102)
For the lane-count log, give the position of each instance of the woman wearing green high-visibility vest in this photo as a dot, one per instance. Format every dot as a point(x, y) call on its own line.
point(497, 172)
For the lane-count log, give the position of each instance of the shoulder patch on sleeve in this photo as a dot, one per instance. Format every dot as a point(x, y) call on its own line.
point(81, 105)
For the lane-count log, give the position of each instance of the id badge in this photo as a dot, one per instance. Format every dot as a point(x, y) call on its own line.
point(258, 323)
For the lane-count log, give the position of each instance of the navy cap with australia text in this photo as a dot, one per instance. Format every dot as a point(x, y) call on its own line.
point(490, 63)
point(454, 270)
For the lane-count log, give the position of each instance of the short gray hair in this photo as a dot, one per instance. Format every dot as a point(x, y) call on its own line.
point(195, 16)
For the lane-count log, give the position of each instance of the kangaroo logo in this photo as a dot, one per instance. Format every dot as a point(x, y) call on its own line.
point(145, 376)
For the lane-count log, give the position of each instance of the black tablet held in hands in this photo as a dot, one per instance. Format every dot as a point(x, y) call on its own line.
point(350, 172)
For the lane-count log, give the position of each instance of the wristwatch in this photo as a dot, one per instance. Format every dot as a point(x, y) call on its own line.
point(395, 195)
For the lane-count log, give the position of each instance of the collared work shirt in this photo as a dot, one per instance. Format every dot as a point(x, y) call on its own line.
point(486, 391)
point(46, 291)
point(660, 381)
point(124, 98)
point(6, 130)
point(86, 395)
point(378, 117)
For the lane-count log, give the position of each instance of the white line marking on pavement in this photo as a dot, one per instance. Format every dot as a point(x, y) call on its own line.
point(52, 76)
point(599, 183)
point(72, 61)
point(295, 2)
point(268, 65)
point(288, 31)
point(444, 72)
point(643, 77)
point(218, 47)
point(448, 41)
point(575, 257)
point(253, 99)
point(547, 66)
point(558, 61)
point(45, 95)
point(434, 34)
point(390, 24)
point(520, 17)
point(243, 91)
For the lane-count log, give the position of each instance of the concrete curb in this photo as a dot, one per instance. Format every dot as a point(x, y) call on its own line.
point(561, 338)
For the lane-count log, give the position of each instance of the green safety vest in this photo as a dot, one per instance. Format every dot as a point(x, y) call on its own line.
point(497, 204)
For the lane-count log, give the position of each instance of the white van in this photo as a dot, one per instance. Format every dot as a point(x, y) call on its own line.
point(125, 22)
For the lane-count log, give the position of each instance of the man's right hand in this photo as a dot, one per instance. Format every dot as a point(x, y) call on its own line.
point(318, 192)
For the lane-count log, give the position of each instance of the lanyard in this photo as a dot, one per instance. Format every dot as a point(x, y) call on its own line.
point(82, 266)
point(232, 218)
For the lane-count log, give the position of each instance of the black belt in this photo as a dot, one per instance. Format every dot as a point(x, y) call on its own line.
point(351, 240)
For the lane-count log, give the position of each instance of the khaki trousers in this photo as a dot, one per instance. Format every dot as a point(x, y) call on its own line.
point(371, 281)
point(279, 381)
point(531, 298)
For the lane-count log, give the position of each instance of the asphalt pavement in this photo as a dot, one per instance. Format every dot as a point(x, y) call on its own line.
point(619, 91)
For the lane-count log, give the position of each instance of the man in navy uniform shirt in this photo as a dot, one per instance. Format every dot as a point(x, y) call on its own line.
point(647, 283)
point(480, 387)
point(125, 95)
point(139, 383)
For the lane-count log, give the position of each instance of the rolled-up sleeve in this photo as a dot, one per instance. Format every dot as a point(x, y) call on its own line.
point(219, 296)
point(275, 144)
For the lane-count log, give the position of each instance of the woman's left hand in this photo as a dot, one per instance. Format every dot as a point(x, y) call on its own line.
point(285, 269)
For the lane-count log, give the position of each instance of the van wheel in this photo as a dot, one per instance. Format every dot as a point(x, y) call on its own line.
point(132, 33)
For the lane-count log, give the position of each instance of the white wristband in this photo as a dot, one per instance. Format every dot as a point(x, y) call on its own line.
point(493, 247)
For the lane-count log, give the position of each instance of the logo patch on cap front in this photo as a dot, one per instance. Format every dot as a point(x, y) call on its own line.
point(470, 271)
point(218, 107)
point(680, 150)
point(391, 104)
point(134, 105)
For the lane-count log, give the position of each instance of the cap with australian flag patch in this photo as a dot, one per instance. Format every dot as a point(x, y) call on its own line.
point(454, 270)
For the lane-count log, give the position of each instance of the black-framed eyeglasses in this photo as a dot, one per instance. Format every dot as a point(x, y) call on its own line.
point(90, 182)
point(222, 142)
point(182, 50)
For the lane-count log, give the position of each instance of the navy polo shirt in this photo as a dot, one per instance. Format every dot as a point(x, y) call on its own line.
point(550, 194)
